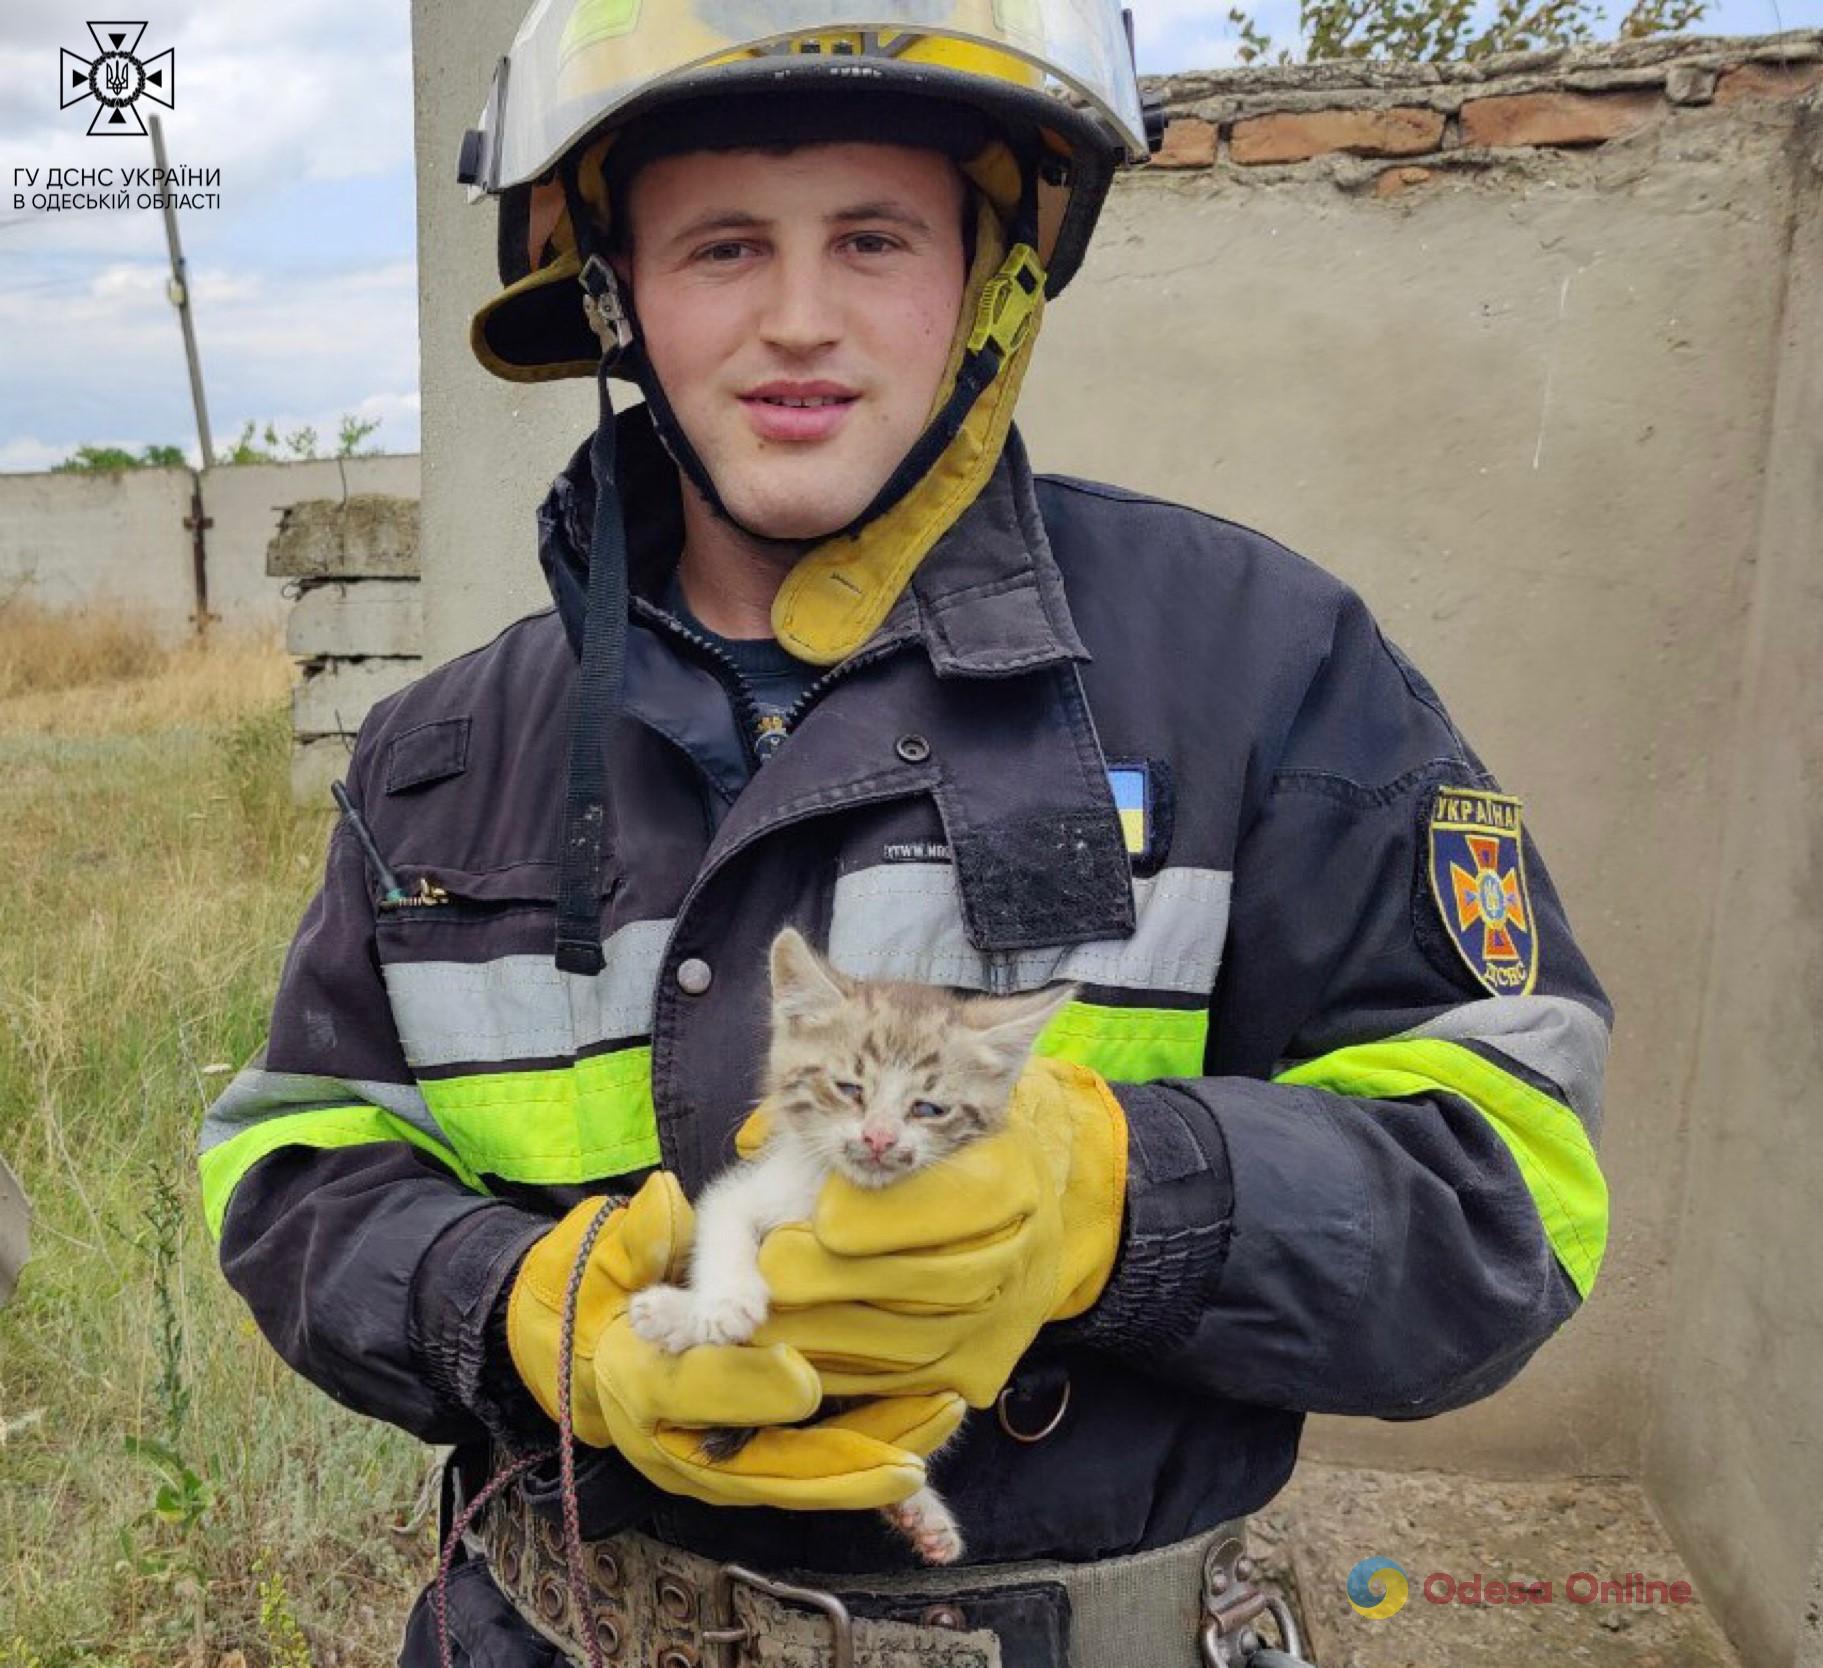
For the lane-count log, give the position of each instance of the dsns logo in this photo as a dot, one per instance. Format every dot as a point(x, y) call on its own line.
point(116, 78)
point(1377, 1587)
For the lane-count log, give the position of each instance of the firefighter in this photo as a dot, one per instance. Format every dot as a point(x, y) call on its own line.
point(1317, 1131)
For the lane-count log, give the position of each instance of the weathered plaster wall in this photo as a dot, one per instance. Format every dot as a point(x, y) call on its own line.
point(1732, 1456)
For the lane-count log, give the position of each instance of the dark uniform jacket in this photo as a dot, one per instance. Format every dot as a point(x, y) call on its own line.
point(1099, 737)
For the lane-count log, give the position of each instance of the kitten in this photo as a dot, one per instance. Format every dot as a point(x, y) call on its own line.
point(869, 1079)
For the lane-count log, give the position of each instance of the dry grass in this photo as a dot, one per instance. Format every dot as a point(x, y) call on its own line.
point(155, 871)
point(44, 650)
point(95, 674)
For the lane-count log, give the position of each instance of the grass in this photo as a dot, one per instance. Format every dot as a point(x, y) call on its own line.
point(170, 1492)
point(41, 650)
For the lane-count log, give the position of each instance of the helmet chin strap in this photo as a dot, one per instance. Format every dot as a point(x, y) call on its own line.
point(840, 589)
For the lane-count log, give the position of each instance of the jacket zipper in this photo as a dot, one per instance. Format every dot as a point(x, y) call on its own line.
point(727, 674)
point(835, 674)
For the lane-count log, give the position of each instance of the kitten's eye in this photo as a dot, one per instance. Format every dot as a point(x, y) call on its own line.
point(852, 1090)
point(928, 1109)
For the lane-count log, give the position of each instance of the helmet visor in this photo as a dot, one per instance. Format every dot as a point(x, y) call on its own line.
point(575, 63)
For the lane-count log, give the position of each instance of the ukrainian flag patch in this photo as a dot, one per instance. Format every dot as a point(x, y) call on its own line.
point(1142, 796)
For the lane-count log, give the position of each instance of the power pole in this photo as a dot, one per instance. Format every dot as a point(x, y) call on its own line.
point(179, 291)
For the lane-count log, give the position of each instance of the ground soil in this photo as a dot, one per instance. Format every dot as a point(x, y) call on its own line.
point(1330, 1517)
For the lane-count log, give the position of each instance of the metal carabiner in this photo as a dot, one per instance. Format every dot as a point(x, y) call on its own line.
point(1231, 1605)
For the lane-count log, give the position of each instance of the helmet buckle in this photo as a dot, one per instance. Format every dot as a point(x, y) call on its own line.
point(603, 307)
point(1008, 300)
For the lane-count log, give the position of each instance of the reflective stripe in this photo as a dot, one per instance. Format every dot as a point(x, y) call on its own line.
point(257, 1095)
point(575, 1123)
point(904, 921)
point(223, 1164)
point(1551, 1035)
point(1129, 1045)
point(521, 1007)
point(1547, 1140)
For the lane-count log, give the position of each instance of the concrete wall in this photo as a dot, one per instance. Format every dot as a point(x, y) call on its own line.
point(490, 447)
point(1511, 350)
point(246, 502)
point(1732, 1456)
point(115, 541)
point(119, 541)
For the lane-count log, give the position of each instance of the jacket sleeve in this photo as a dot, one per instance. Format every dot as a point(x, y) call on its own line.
point(369, 1254)
point(1385, 1195)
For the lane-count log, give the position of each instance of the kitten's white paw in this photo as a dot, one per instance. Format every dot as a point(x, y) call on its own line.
point(929, 1525)
point(666, 1316)
point(731, 1312)
point(676, 1318)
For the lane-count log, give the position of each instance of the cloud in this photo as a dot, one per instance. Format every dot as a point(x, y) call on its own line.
point(27, 452)
point(287, 348)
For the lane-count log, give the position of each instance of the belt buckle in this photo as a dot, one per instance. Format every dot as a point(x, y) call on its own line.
point(728, 1634)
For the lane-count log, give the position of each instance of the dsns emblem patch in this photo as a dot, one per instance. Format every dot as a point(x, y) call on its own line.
point(1478, 880)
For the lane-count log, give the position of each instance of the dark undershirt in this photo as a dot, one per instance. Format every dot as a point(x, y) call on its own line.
point(772, 675)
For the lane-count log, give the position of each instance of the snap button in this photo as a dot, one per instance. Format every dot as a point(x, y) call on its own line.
point(912, 749)
point(693, 976)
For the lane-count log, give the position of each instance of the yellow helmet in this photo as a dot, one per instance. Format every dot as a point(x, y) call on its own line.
point(1059, 72)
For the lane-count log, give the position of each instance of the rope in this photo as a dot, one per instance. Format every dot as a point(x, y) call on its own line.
point(566, 1439)
point(566, 1469)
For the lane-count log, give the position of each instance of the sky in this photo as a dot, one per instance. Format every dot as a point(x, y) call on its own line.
point(303, 281)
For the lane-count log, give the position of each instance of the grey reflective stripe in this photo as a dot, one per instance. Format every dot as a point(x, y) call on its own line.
point(1559, 1039)
point(904, 921)
point(256, 1095)
point(521, 1007)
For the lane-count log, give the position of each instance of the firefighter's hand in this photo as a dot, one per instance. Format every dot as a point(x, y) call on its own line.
point(941, 1281)
point(628, 1394)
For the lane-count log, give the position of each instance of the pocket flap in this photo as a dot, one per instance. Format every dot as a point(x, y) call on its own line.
point(430, 753)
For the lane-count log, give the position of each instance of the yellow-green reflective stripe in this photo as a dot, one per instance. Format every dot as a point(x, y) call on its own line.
point(568, 1124)
point(1546, 1138)
point(223, 1165)
point(1129, 1045)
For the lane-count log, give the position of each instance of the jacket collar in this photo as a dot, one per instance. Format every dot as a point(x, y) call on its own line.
point(988, 601)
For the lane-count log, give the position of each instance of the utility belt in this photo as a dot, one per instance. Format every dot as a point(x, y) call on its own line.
point(651, 1605)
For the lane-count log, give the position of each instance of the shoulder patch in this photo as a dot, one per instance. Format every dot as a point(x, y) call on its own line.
point(1477, 880)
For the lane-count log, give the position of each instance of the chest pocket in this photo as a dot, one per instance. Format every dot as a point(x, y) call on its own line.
point(532, 1074)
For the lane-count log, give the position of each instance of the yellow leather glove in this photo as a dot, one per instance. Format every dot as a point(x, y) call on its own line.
point(628, 1394)
point(941, 1281)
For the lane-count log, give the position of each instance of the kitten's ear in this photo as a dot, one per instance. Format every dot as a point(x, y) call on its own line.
point(805, 988)
point(1008, 1026)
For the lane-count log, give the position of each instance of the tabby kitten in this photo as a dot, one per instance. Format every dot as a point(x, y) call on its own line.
point(869, 1079)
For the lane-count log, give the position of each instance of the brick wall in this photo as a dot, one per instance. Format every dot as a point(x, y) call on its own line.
point(1393, 128)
